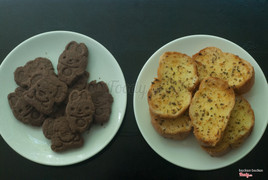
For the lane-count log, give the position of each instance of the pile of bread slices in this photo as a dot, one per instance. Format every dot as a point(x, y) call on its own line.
point(203, 93)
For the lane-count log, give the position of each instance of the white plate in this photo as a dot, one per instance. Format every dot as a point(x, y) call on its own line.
point(187, 153)
point(30, 142)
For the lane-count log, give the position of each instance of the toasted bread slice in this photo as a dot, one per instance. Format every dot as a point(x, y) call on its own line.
point(239, 127)
point(178, 128)
point(239, 73)
point(210, 110)
point(179, 69)
point(170, 94)
point(166, 101)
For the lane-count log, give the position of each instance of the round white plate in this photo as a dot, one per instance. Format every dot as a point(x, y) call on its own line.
point(29, 141)
point(188, 153)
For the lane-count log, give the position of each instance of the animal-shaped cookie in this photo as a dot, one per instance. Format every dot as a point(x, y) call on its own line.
point(45, 93)
point(79, 84)
point(72, 62)
point(102, 100)
point(33, 70)
point(22, 110)
point(61, 135)
point(47, 127)
point(80, 110)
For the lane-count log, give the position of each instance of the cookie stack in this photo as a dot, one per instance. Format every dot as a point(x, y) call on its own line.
point(64, 104)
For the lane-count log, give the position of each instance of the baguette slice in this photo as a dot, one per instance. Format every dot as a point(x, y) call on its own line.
point(239, 73)
point(178, 68)
point(210, 110)
point(170, 94)
point(239, 127)
point(178, 128)
point(166, 101)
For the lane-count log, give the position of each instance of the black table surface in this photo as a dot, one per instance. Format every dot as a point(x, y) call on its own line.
point(132, 31)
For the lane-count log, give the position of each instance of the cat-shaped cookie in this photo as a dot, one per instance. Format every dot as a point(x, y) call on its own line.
point(72, 62)
point(79, 84)
point(80, 110)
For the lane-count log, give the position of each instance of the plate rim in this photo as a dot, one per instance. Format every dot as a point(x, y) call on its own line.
point(123, 100)
point(139, 79)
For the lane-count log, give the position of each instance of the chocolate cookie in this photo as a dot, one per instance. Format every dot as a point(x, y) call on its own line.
point(47, 127)
point(22, 110)
point(80, 110)
point(72, 62)
point(62, 137)
point(45, 93)
point(79, 84)
point(58, 111)
point(102, 100)
point(33, 70)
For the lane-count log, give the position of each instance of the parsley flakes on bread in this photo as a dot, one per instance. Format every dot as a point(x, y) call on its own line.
point(170, 93)
point(212, 62)
point(220, 117)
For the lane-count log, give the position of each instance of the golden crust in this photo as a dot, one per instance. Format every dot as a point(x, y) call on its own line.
point(239, 73)
point(171, 92)
point(167, 105)
point(239, 128)
point(178, 128)
point(214, 107)
point(210, 110)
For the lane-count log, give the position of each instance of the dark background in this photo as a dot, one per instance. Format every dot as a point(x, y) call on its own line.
point(132, 31)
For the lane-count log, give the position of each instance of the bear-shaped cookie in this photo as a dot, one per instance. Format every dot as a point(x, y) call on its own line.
point(22, 110)
point(102, 100)
point(45, 93)
point(27, 75)
point(61, 135)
